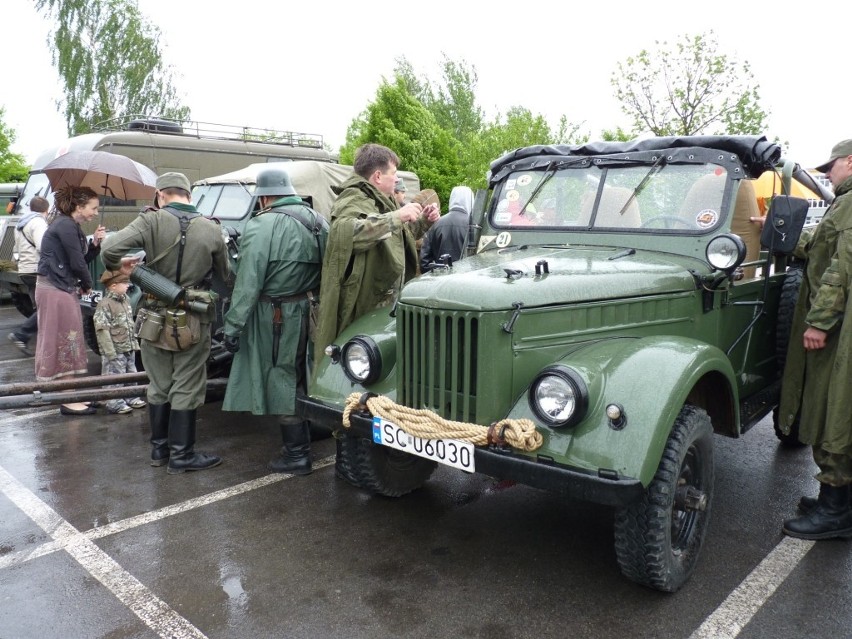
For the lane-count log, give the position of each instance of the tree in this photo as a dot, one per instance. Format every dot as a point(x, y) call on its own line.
point(400, 122)
point(108, 58)
point(453, 102)
point(13, 166)
point(689, 89)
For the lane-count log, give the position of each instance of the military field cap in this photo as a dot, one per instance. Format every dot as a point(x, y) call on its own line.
point(840, 150)
point(173, 180)
point(400, 187)
point(114, 277)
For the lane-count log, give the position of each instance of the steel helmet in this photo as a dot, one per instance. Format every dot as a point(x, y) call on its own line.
point(274, 182)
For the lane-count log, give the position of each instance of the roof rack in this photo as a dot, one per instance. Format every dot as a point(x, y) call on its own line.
point(208, 130)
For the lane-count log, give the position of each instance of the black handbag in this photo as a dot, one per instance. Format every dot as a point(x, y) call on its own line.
point(784, 223)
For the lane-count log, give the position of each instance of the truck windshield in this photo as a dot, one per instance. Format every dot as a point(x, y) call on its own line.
point(645, 197)
point(37, 184)
point(223, 201)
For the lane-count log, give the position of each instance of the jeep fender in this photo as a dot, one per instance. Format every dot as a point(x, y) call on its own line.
point(651, 378)
point(330, 383)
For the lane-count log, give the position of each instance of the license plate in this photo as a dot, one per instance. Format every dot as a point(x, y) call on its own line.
point(92, 298)
point(450, 452)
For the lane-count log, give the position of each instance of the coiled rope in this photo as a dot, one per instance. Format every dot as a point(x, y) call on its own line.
point(517, 433)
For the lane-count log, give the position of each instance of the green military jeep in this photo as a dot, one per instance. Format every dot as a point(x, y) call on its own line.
point(618, 299)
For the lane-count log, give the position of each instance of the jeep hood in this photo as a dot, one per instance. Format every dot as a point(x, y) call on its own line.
point(576, 274)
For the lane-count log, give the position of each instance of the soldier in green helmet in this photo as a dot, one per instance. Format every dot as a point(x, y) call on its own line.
point(267, 324)
point(186, 248)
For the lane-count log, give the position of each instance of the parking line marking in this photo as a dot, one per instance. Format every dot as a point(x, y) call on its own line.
point(151, 516)
point(740, 606)
point(153, 611)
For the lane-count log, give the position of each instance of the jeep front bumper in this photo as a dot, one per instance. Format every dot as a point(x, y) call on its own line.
point(502, 463)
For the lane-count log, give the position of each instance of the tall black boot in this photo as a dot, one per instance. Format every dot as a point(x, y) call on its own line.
point(831, 518)
point(182, 456)
point(296, 453)
point(158, 415)
point(807, 504)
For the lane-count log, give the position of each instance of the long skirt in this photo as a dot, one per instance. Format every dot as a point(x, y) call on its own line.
point(61, 346)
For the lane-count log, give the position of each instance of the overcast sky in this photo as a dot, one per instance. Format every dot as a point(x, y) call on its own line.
point(312, 67)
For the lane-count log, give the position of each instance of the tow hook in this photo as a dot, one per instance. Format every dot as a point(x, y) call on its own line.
point(690, 498)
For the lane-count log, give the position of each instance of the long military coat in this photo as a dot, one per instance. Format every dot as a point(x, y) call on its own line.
point(279, 256)
point(371, 253)
point(816, 383)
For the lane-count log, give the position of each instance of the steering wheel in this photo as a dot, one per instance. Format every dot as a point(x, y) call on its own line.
point(667, 218)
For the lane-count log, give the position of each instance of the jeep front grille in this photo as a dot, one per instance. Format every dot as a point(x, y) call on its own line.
point(438, 361)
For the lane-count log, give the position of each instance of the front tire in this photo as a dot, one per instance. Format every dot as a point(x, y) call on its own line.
point(379, 469)
point(658, 539)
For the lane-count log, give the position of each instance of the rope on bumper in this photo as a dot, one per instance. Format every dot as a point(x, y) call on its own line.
point(517, 433)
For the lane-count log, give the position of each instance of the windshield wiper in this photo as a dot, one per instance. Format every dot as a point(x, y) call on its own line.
point(653, 170)
point(549, 173)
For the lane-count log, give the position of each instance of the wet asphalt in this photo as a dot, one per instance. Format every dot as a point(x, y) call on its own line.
point(94, 542)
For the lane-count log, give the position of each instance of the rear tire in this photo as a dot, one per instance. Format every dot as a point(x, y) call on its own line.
point(90, 334)
point(379, 469)
point(658, 538)
point(786, 308)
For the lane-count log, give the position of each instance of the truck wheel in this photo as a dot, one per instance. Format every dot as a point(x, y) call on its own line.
point(786, 308)
point(658, 539)
point(90, 334)
point(379, 469)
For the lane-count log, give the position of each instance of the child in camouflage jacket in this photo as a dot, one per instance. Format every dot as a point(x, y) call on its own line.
point(116, 340)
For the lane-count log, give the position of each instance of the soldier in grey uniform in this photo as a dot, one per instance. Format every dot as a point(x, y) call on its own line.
point(188, 249)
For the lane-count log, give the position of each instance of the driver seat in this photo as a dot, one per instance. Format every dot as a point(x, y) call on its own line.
point(745, 207)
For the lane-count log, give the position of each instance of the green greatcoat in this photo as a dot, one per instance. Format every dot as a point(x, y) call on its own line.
point(279, 257)
point(371, 254)
point(816, 383)
point(177, 378)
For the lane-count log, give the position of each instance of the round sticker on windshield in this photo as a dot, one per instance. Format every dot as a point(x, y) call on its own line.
point(513, 196)
point(524, 180)
point(503, 239)
point(706, 218)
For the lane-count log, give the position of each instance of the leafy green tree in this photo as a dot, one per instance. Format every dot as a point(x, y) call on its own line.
point(13, 166)
point(689, 88)
point(108, 58)
point(452, 100)
point(400, 122)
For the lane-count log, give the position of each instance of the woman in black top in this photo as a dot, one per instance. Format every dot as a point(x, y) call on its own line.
point(63, 273)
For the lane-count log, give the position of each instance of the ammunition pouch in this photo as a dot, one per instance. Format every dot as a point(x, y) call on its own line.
point(149, 325)
point(180, 330)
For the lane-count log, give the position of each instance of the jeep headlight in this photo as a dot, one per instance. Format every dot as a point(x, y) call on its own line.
point(558, 396)
point(725, 252)
point(361, 360)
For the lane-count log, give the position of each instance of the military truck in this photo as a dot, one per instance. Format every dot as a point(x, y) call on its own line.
point(618, 310)
point(196, 149)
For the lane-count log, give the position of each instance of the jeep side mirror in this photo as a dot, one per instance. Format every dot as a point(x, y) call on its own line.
point(784, 222)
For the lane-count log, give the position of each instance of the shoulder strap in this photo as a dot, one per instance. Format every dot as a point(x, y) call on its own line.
point(184, 219)
point(314, 225)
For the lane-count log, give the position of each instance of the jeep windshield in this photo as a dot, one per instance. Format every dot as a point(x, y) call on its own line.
point(613, 194)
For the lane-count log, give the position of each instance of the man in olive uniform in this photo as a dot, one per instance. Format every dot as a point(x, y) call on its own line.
point(819, 360)
point(266, 326)
point(187, 249)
